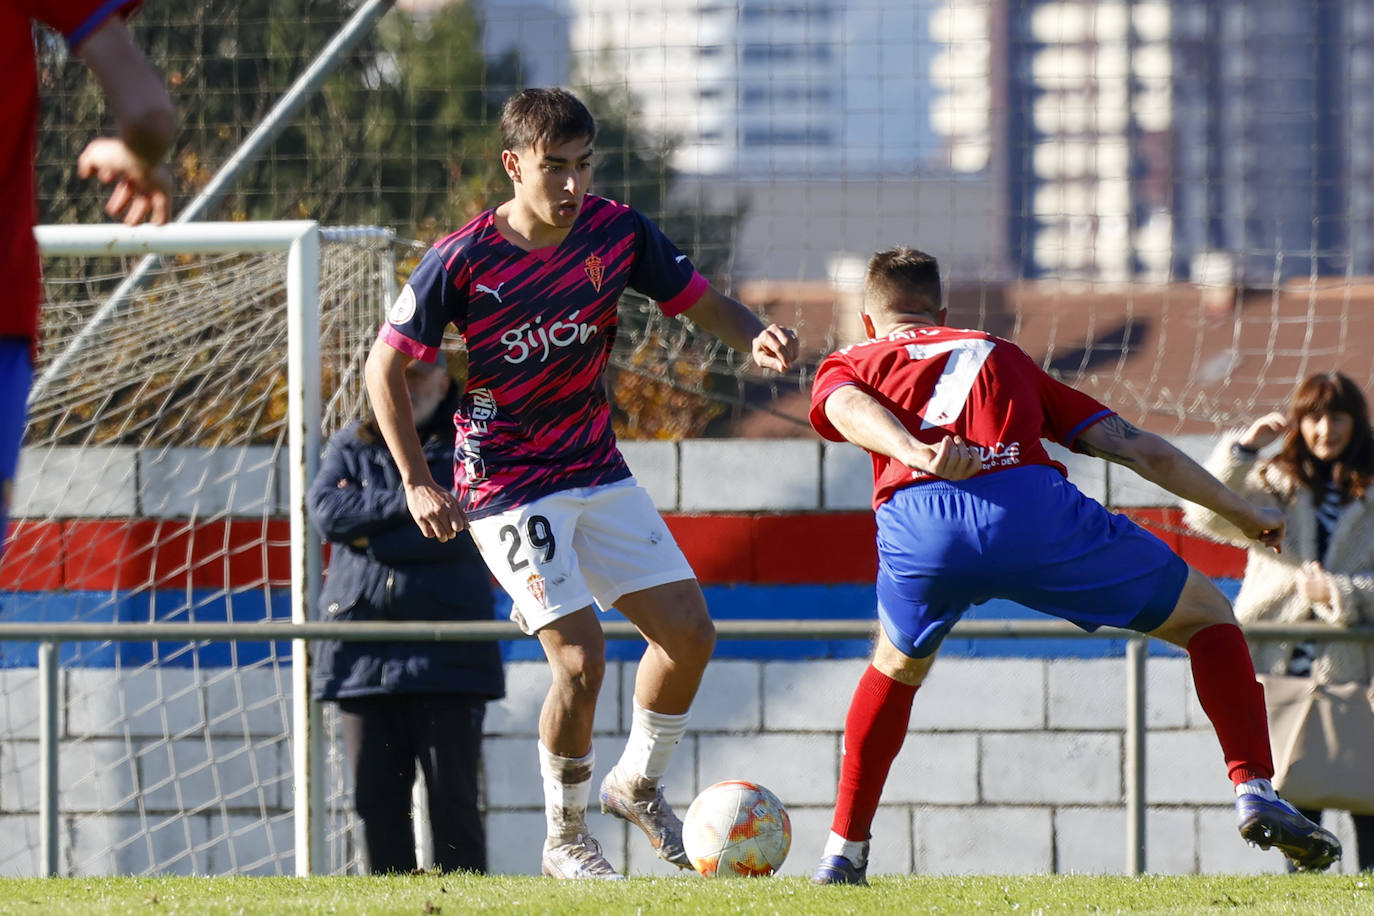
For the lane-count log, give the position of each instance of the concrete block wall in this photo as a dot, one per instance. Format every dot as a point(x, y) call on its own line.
point(701, 475)
point(1010, 766)
point(122, 481)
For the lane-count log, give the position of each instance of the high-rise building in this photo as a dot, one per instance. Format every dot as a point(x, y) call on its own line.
point(536, 31)
point(1274, 120)
point(783, 87)
point(1087, 137)
point(838, 125)
point(1224, 142)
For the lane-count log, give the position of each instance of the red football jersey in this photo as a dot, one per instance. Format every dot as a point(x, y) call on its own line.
point(948, 381)
point(75, 20)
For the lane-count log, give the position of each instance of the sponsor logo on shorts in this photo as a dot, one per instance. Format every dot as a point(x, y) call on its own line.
point(535, 585)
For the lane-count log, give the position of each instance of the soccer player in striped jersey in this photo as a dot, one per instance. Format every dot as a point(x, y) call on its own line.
point(970, 506)
point(533, 286)
point(95, 32)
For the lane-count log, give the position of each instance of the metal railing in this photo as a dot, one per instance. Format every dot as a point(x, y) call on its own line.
point(50, 636)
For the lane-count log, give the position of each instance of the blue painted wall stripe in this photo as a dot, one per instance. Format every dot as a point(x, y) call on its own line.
point(727, 602)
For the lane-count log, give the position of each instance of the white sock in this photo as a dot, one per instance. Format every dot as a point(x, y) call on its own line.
point(1260, 787)
point(567, 786)
point(653, 738)
point(856, 851)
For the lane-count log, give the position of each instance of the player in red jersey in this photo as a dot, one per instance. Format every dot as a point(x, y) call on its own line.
point(970, 507)
point(533, 286)
point(94, 30)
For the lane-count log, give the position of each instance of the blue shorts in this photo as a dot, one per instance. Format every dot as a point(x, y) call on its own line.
point(1025, 534)
point(16, 376)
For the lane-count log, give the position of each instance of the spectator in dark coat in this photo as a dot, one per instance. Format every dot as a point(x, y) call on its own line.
point(405, 702)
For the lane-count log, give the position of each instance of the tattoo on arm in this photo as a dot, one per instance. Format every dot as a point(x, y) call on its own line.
point(1115, 430)
point(1119, 428)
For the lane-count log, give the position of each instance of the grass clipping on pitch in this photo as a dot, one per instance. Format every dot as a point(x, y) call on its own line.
point(435, 895)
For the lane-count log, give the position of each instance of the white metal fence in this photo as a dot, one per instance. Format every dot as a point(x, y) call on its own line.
point(309, 829)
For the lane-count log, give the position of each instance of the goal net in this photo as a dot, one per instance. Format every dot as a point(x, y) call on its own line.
point(153, 487)
point(1165, 203)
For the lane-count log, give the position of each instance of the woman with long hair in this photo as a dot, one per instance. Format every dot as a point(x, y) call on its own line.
point(1320, 477)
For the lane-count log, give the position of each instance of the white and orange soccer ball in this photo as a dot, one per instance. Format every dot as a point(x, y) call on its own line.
point(736, 828)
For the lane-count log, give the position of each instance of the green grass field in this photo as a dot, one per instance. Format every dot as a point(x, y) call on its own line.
point(445, 895)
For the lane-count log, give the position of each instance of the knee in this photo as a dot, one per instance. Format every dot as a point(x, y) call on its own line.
point(1201, 605)
point(700, 639)
point(580, 673)
point(693, 640)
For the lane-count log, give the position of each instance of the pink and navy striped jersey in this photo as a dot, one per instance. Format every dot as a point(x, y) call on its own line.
point(539, 326)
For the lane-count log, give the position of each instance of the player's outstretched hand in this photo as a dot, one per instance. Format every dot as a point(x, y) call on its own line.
point(1264, 525)
point(145, 192)
point(775, 348)
point(1264, 431)
point(435, 510)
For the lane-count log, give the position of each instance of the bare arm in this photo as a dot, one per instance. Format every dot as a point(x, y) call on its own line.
point(871, 426)
point(772, 346)
point(147, 125)
point(434, 508)
point(1159, 462)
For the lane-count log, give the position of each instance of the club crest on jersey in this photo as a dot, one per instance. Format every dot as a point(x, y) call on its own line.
point(595, 271)
point(536, 587)
point(403, 309)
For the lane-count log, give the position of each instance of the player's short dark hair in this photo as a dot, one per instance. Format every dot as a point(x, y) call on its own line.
point(542, 118)
point(903, 280)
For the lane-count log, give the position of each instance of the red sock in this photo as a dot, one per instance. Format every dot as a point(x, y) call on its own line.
point(873, 734)
point(1224, 677)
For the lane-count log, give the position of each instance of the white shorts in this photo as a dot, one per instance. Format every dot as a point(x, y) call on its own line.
point(560, 553)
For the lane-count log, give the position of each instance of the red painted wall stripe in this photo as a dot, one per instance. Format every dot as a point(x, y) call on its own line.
point(109, 554)
point(1220, 561)
point(795, 549)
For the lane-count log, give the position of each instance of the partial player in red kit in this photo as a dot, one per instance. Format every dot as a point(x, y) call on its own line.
point(95, 32)
point(971, 507)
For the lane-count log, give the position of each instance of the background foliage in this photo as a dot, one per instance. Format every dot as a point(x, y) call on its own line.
point(403, 134)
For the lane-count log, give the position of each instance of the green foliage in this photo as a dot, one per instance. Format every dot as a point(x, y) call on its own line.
point(404, 133)
point(401, 134)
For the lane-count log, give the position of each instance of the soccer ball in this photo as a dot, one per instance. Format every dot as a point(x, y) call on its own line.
point(736, 828)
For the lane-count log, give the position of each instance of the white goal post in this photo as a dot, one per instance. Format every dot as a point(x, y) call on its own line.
point(301, 241)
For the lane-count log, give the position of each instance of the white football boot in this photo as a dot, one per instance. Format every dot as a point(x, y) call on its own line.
point(641, 803)
point(578, 857)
